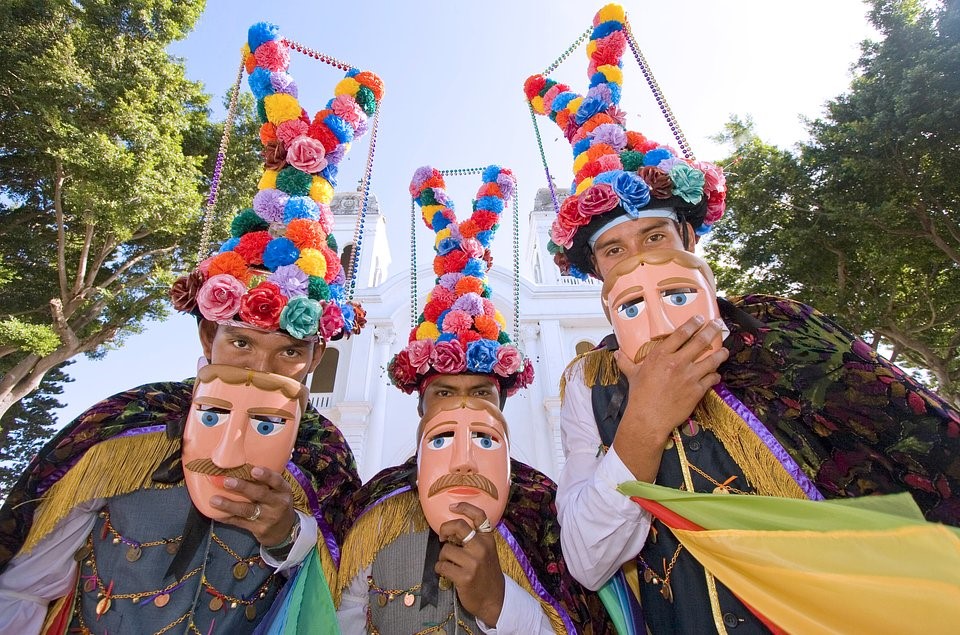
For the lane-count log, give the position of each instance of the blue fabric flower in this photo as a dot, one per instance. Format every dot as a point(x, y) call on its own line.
point(336, 293)
point(560, 101)
point(300, 207)
point(485, 237)
point(440, 319)
point(261, 32)
point(581, 146)
point(340, 128)
point(475, 267)
point(279, 252)
point(588, 108)
point(655, 156)
point(604, 29)
point(490, 173)
point(229, 244)
point(491, 203)
point(634, 193)
point(330, 174)
point(439, 221)
point(446, 337)
point(446, 246)
point(300, 317)
point(348, 315)
point(606, 177)
point(260, 84)
point(481, 356)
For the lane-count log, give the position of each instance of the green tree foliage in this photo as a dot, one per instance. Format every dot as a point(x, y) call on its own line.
point(863, 221)
point(27, 426)
point(105, 152)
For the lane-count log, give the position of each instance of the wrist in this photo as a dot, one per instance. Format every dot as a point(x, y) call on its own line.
point(281, 550)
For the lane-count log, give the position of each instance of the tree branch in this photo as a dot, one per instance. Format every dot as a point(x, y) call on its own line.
point(930, 229)
point(82, 260)
point(132, 261)
point(108, 246)
point(61, 229)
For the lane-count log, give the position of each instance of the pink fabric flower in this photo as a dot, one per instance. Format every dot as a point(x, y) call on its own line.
point(457, 322)
point(609, 162)
point(448, 358)
point(326, 218)
point(562, 234)
point(716, 204)
point(472, 247)
point(598, 199)
point(290, 130)
point(331, 322)
point(219, 297)
point(713, 179)
point(346, 107)
point(306, 154)
point(526, 375)
point(273, 56)
point(419, 353)
point(508, 361)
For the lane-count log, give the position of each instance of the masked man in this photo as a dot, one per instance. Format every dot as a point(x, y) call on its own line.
point(153, 512)
point(460, 536)
point(792, 405)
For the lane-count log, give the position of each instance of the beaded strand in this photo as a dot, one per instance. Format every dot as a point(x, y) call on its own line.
point(354, 263)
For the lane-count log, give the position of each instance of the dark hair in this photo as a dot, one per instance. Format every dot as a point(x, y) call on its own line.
point(580, 253)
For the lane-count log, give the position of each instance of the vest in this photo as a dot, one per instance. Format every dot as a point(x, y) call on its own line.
point(395, 601)
point(225, 587)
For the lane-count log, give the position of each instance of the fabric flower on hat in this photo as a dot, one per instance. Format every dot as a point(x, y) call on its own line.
point(261, 306)
point(306, 154)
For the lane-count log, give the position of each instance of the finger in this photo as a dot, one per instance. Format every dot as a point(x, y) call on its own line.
point(454, 530)
point(626, 365)
point(456, 555)
point(711, 362)
point(273, 480)
point(678, 338)
point(251, 490)
point(474, 513)
point(240, 509)
point(702, 340)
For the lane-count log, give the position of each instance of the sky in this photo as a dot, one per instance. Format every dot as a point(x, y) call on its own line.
point(453, 74)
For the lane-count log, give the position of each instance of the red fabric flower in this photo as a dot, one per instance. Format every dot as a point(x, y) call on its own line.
point(570, 214)
point(489, 189)
point(402, 372)
point(598, 199)
point(261, 306)
point(484, 220)
point(319, 131)
point(589, 170)
point(443, 295)
point(610, 49)
point(252, 246)
point(469, 229)
point(433, 309)
point(468, 336)
point(533, 86)
point(273, 56)
point(453, 262)
point(331, 322)
point(333, 264)
point(635, 140)
point(526, 376)
point(268, 133)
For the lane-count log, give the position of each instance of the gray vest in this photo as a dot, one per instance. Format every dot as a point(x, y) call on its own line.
point(216, 588)
point(399, 567)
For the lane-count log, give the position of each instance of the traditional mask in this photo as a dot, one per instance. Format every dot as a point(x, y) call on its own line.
point(647, 297)
point(239, 418)
point(463, 456)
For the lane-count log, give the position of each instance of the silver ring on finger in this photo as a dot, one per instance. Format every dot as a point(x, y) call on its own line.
point(485, 527)
point(256, 513)
point(468, 537)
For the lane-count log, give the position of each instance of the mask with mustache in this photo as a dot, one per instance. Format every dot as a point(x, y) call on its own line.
point(463, 456)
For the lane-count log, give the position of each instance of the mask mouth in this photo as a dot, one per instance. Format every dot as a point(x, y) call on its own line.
point(206, 466)
point(475, 481)
point(647, 347)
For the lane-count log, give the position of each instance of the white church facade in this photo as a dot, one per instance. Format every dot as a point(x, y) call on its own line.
point(559, 317)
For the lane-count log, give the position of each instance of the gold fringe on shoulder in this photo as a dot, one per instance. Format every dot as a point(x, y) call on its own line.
point(112, 468)
point(394, 517)
point(326, 564)
point(763, 470)
point(597, 367)
point(511, 567)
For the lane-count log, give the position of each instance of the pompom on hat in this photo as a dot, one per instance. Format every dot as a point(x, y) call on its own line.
point(617, 172)
point(280, 271)
point(460, 330)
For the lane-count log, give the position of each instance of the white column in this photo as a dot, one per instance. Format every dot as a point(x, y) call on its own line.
point(539, 435)
point(384, 335)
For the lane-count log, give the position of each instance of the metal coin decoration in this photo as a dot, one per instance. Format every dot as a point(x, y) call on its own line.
point(445, 584)
point(250, 612)
point(216, 604)
point(408, 599)
point(173, 547)
point(89, 585)
point(721, 489)
point(103, 606)
point(134, 553)
point(81, 554)
point(382, 599)
point(648, 576)
point(240, 570)
point(161, 600)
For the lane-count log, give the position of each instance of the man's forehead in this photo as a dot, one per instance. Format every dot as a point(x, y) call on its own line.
point(631, 228)
point(463, 381)
point(274, 338)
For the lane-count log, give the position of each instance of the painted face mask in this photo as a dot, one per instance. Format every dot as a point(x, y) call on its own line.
point(463, 456)
point(239, 418)
point(647, 297)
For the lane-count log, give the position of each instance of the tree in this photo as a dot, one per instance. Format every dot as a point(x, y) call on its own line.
point(27, 426)
point(105, 148)
point(863, 220)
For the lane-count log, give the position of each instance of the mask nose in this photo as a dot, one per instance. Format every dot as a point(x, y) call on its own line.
point(462, 461)
point(660, 323)
point(230, 451)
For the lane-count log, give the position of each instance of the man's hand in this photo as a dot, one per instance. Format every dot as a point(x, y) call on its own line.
point(473, 568)
point(664, 389)
point(269, 515)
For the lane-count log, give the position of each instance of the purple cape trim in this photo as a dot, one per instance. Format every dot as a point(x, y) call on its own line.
point(791, 466)
point(399, 490)
point(314, 503)
point(532, 577)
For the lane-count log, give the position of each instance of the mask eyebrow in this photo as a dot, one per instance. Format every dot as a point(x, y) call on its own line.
point(638, 288)
point(676, 280)
point(204, 400)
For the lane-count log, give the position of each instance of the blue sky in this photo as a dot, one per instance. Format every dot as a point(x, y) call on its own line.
point(454, 72)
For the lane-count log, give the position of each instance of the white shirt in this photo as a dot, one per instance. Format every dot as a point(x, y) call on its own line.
point(600, 528)
point(521, 612)
point(49, 572)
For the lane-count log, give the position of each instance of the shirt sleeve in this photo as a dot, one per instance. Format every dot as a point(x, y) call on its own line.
point(47, 573)
point(521, 613)
point(306, 540)
point(600, 528)
point(352, 612)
